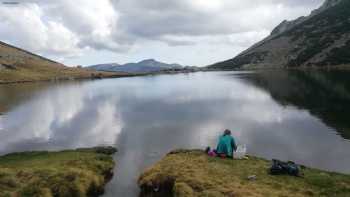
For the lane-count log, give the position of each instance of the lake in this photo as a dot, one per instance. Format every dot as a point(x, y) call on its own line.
point(290, 115)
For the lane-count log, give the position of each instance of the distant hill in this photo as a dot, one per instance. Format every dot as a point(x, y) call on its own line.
point(18, 65)
point(320, 39)
point(145, 66)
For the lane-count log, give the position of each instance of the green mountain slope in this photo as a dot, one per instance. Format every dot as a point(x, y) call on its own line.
point(321, 39)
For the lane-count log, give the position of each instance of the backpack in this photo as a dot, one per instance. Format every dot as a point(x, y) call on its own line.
point(280, 167)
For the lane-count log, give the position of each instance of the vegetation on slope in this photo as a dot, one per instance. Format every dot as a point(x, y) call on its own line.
point(321, 32)
point(193, 173)
point(319, 40)
point(17, 65)
point(70, 173)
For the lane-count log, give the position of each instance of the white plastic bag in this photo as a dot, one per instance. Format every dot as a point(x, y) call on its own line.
point(240, 152)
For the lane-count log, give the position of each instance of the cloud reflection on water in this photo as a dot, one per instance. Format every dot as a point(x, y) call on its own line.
point(63, 117)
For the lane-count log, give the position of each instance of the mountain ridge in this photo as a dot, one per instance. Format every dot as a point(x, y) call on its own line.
point(144, 66)
point(28, 52)
point(320, 39)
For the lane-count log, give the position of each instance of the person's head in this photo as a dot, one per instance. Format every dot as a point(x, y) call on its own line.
point(227, 132)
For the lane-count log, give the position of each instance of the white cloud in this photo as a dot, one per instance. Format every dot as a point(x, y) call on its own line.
point(150, 19)
point(25, 26)
point(64, 28)
point(94, 21)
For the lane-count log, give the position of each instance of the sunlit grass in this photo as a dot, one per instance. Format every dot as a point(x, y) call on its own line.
point(81, 172)
point(193, 173)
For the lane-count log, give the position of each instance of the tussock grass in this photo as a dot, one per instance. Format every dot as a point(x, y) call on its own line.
point(193, 173)
point(71, 173)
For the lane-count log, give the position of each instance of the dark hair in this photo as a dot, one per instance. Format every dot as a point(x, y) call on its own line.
point(227, 132)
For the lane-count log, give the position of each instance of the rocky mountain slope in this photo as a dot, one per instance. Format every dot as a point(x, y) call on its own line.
point(18, 65)
point(320, 39)
point(144, 66)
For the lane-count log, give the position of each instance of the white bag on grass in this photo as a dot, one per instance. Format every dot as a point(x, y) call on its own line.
point(240, 152)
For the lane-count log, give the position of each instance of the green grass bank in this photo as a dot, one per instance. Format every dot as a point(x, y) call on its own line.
point(192, 173)
point(69, 173)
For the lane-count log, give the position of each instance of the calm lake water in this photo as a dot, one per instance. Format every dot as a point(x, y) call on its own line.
point(290, 115)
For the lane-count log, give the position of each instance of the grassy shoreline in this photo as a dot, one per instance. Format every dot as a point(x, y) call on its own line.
point(192, 173)
point(96, 75)
point(7, 78)
point(80, 172)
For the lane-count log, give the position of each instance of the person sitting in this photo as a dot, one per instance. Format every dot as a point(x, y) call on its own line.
point(226, 145)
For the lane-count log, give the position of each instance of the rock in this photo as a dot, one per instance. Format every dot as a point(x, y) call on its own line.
point(7, 66)
point(251, 177)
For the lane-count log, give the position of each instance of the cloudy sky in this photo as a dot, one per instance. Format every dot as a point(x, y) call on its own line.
point(190, 32)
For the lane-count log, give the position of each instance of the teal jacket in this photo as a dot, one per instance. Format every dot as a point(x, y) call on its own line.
point(226, 145)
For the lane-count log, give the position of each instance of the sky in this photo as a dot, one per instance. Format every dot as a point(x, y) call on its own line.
point(189, 32)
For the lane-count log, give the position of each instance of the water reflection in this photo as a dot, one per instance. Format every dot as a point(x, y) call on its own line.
point(146, 117)
point(325, 94)
point(62, 117)
point(14, 94)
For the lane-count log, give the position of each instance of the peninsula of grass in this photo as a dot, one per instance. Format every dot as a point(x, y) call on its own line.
point(193, 173)
point(69, 173)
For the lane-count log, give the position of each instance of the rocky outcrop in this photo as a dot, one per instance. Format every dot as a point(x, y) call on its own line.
point(320, 39)
point(6, 66)
point(287, 25)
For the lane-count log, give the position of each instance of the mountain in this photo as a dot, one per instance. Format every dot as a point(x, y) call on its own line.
point(320, 39)
point(145, 66)
point(18, 65)
point(106, 67)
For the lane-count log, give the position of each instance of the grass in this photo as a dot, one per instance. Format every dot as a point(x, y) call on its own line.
point(30, 73)
point(70, 173)
point(22, 66)
point(193, 173)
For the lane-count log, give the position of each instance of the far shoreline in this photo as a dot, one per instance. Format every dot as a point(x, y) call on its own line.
point(113, 75)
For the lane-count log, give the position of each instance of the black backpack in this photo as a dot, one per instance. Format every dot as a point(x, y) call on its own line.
point(280, 167)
